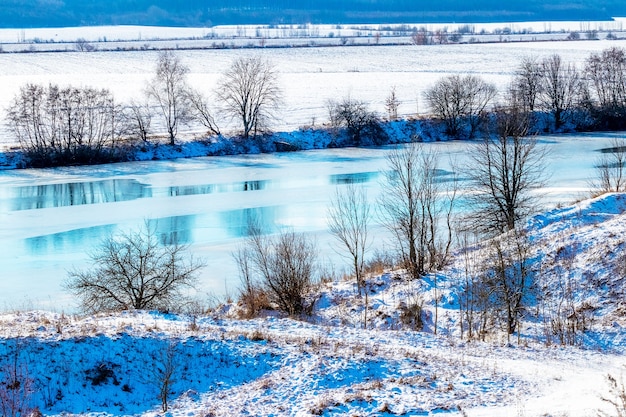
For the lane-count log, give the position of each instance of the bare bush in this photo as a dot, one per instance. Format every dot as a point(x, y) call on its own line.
point(362, 125)
point(134, 271)
point(16, 386)
point(252, 296)
point(617, 399)
point(284, 265)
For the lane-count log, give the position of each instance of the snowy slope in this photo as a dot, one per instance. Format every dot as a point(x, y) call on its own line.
point(329, 365)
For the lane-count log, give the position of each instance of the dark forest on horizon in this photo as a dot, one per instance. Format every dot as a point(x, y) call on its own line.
point(203, 13)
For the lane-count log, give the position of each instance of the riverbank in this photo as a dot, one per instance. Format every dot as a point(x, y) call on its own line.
point(394, 132)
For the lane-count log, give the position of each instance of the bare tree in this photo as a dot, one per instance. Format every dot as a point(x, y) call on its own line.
point(497, 285)
point(611, 168)
point(249, 92)
point(457, 99)
point(511, 276)
point(527, 83)
point(82, 45)
point(475, 297)
point(560, 87)
point(285, 266)
point(164, 372)
point(348, 221)
point(422, 37)
point(412, 207)
point(391, 104)
point(65, 125)
point(607, 73)
point(168, 91)
point(504, 172)
point(134, 271)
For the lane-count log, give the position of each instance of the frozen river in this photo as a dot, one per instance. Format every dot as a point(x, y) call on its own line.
point(51, 218)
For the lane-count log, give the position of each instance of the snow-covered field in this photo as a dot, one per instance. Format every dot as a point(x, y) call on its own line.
point(309, 77)
point(327, 364)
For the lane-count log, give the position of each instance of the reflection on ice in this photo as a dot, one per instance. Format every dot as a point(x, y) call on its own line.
point(77, 193)
point(69, 241)
point(182, 230)
point(240, 223)
point(174, 230)
point(353, 178)
point(182, 190)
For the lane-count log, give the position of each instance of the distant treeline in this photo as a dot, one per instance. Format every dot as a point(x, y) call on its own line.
point(51, 13)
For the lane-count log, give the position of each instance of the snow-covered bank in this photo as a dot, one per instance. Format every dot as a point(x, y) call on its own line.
point(401, 131)
point(328, 364)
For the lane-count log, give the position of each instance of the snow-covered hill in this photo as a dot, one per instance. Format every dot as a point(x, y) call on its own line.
point(329, 365)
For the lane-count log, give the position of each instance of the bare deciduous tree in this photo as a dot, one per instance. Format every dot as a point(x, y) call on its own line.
point(82, 45)
point(64, 125)
point(475, 297)
point(527, 83)
point(457, 99)
point(510, 276)
point(164, 372)
point(169, 92)
point(391, 104)
point(249, 92)
point(607, 73)
point(504, 172)
point(413, 205)
point(422, 37)
point(560, 88)
point(497, 285)
point(348, 221)
point(134, 271)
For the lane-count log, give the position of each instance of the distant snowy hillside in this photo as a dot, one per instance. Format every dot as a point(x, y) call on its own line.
point(329, 365)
